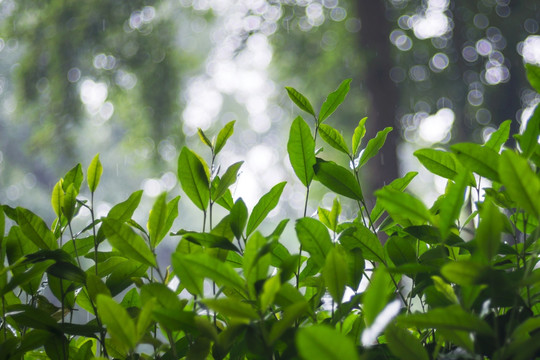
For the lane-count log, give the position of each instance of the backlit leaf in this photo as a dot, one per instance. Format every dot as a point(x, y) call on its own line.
point(205, 140)
point(73, 177)
point(334, 100)
point(193, 283)
point(533, 75)
point(463, 272)
point(223, 135)
point(520, 181)
point(117, 320)
point(405, 345)
point(238, 218)
point(488, 234)
point(402, 205)
point(266, 204)
point(399, 184)
point(529, 139)
point(228, 178)
point(125, 240)
point(333, 138)
point(439, 162)
point(35, 229)
point(314, 238)
point(338, 179)
point(300, 100)
point(93, 174)
point(359, 133)
point(373, 146)
point(499, 137)
point(57, 198)
point(360, 237)
point(335, 273)
point(157, 220)
point(124, 211)
point(194, 178)
point(231, 308)
point(301, 150)
point(376, 295)
point(480, 159)
point(450, 206)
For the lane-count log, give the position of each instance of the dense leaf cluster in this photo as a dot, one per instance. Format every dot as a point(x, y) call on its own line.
point(455, 280)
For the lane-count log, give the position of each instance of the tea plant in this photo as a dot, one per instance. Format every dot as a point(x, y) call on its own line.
point(458, 279)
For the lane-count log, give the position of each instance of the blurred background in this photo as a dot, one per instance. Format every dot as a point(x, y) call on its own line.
point(133, 80)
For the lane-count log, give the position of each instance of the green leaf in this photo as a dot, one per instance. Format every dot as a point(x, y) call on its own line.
point(488, 234)
point(439, 162)
point(334, 100)
point(26, 315)
point(446, 289)
point(449, 318)
point(300, 100)
point(238, 217)
point(373, 146)
point(209, 240)
point(32, 274)
point(67, 271)
point(223, 135)
point(529, 139)
point(266, 204)
point(330, 218)
point(314, 238)
point(498, 138)
point(333, 138)
point(164, 296)
point(118, 322)
point(400, 250)
point(206, 266)
point(463, 272)
point(157, 220)
point(194, 178)
point(227, 180)
point(405, 345)
point(35, 229)
point(321, 342)
point(255, 265)
point(520, 181)
point(338, 179)
point(360, 237)
point(533, 75)
point(358, 135)
point(2, 228)
point(57, 198)
point(231, 308)
point(125, 240)
point(192, 282)
point(204, 139)
point(301, 150)
point(402, 205)
point(73, 177)
point(270, 288)
point(451, 205)
point(144, 320)
point(335, 273)
point(93, 174)
point(399, 184)
point(96, 286)
point(290, 314)
point(70, 201)
point(124, 211)
point(482, 160)
point(376, 295)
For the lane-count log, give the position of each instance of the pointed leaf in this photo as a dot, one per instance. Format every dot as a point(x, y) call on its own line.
point(117, 320)
point(376, 295)
point(70, 201)
point(449, 318)
point(373, 146)
point(529, 139)
point(74, 177)
point(451, 205)
point(338, 179)
point(93, 174)
point(360, 237)
point(266, 204)
point(194, 178)
point(446, 289)
point(239, 217)
point(399, 184)
point(290, 314)
point(321, 342)
point(206, 266)
point(488, 234)
point(333, 138)
point(358, 135)
point(463, 272)
point(223, 135)
point(520, 181)
point(400, 250)
point(300, 100)
point(124, 211)
point(334, 100)
point(67, 271)
point(439, 162)
point(231, 308)
point(405, 345)
point(255, 265)
point(125, 240)
point(335, 273)
point(498, 138)
point(301, 150)
point(402, 205)
point(157, 219)
point(314, 238)
point(533, 75)
point(270, 289)
point(482, 160)
point(57, 198)
point(203, 138)
point(210, 240)
point(35, 229)
point(227, 180)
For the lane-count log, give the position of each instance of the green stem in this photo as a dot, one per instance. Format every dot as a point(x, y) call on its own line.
point(74, 244)
point(94, 232)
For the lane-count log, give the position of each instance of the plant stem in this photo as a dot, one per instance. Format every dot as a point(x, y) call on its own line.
point(94, 232)
point(74, 244)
